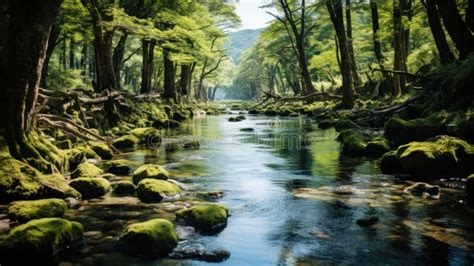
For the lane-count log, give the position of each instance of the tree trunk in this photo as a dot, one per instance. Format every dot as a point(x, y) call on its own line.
point(470, 15)
point(169, 88)
point(457, 29)
point(119, 52)
point(376, 31)
point(72, 60)
point(184, 80)
point(214, 93)
point(27, 41)
point(399, 81)
point(147, 67)
point(64, 54)
point(350, 45)
point(445, 54)
point(337, 18)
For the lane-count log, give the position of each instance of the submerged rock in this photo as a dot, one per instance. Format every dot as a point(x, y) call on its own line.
point(102, 149)
point(353, 142)
point(119, 167)
point(38, 241)
point(199, 252)
point(390, 165)
point(153, 190)
point(147, 135)
point(125, 142)
point(190, 144)
point(24, 211)
point(377, 147)
point(91, 187)
point(123, 188)
point(153, 238)
point(86, 169)
point(209, 218)
point(152, 171)
point(421, 189)
point(367, 221)
point(247, 129)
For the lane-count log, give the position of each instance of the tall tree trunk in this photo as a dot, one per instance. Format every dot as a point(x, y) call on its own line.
point(200, 88)
point(64, 54)
point(119, 52)
point(376, 31)
point(84, 60)
point(399, 81)
point(350, 45)
point(445, 54)
point(457, 29)
point(27, 41)
point(184, 80)
point(147, 67)
point(470, 15)
point(214, 92)
point(72, 60)
point(52, 43)
point(337, 18)
point(169, 88)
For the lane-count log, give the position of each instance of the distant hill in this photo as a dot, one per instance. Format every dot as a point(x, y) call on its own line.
point(240, 41)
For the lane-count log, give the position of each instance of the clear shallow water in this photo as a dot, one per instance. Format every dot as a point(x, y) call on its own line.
point(260, 171)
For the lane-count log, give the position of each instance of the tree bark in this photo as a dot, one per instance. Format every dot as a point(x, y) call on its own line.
point(399, 63)
point(350, 45)
point(376, 31)
point(72, 58)
point(169, 88)
point(147, 67)
point(119, 52)
point(335, 10)
point(27, 41)
point(457, 29)
point(445, 54)
point(184, 80)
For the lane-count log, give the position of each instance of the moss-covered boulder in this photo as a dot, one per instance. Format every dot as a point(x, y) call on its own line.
point(190, 144)
point(402, 132)
point(353, 142)
point(181, 115)
point(102, 149)
point(152, 171)
point(123, 188)
point(390, 165)
point(20, 181)
point(91, 187)
point(119, 167)
point(125, 142)
point(271, 112)
point(344, 124)
point(24, 211)
point(87, 169)
point(377, 147)
point(154, 190)
point(209, 218)
point(147, 135)
point(443, 156)
point(254, 112)
point(39, 241)
point(153, 238)
point(78, 155)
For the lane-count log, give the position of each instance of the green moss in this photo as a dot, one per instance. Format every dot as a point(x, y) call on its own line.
point(78, 155)
point(442, 156)
point(153, 238)
point(150, 171)
point(24, 211)
point(377, 147)
point(102, 149)
point(147, 135)
point(91, 187)
point(86, 169)
point(40, 240)
point(65, 144)
point(153, 190)
point(55, 186)
point(125, 142)
point(123, 188)
point(209, 218)
point(353, 142)
point(403, 132)
point(119, 167)
point(343, 124)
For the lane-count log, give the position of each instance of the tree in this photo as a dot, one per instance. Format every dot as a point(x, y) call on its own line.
point(335, 11)
point(27, 41)
point(399, 43)
point(350, 45)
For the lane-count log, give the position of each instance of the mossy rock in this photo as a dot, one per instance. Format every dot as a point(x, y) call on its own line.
point(78, 155)
point(39, 241)
point(325, 124)
point(209, 218)
point(102, 149)
point(125, 142)
point(190, 144)
point(181, 115)
point(152, 171)
point(234, 119)
point(86, 169)
point(119, 167)
point(153, 238)
point(402, 132)
point(271, 112)
point(353, 142)
point(20, 181)
point(247, 129)
point(154, 190)
point(443, 156)
point(65, 144)
point(91, 187)
point(470, 190)
point(377, 147)
point(123, 188)
point(147, 135)
point(24, 211)
point(254, 112)
point(344, 124)
point(390, 165)
point(241, 117)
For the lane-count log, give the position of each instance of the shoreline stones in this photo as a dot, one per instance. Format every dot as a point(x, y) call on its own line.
point(208, 218)
point(87, 169)
point(91, 187)
point(153, 238)
point(102, 149)
point(154, 190)
point(123, 188)
point(119, 167)
point(152, 171)
point(125, 142)
point(24, 211)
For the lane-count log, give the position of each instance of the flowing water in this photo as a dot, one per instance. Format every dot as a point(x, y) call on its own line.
point(293, 200)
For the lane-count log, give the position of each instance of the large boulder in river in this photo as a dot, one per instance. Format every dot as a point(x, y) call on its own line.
point(119, 167)
point(38, 241)
point(209, 218)
point(102, 149)
point(86, 169)
point(153, 190)
point(123, 188)
point(153, 238)
point(147, 135)
point(27, 210)
point(125, 142)
point(150, 171)
point(91, 187)
point(390, 165)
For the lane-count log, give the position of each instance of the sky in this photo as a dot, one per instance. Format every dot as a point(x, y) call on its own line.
point(251, 15)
